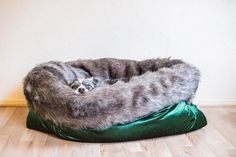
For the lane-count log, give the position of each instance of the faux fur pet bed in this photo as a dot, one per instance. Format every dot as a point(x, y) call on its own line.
point(154, 85)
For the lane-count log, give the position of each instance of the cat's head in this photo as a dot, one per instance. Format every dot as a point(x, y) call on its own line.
point(85, 85)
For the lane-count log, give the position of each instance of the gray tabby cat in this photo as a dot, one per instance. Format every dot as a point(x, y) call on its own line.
point(153, 84)
point(84, 85)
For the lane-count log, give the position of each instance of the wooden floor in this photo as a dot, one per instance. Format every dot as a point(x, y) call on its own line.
point(217, 139)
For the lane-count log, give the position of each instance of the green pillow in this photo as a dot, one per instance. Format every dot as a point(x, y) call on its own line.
point(175, 119)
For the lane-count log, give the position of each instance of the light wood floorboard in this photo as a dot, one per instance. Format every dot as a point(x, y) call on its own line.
point(217, 139)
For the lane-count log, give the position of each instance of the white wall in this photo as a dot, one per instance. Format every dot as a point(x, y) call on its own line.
point(202, 32)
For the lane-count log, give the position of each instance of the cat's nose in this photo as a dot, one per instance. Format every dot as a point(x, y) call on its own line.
point(81, 90)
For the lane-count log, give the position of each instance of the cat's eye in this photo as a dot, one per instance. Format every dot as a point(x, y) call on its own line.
point(73, 86)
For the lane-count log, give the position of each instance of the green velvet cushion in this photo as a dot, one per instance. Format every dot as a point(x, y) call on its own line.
point(175, 119)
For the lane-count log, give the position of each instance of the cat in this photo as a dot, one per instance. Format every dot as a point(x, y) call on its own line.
point(87, 84)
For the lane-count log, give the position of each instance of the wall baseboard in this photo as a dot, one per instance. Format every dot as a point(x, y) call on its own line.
point(199, 102)
point(215, 102)
point(13, 102)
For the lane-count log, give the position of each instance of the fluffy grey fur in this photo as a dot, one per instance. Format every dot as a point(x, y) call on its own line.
point(153, 84)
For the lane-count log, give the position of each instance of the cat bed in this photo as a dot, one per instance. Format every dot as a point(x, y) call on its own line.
point(153, 86)
point(174, 119)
